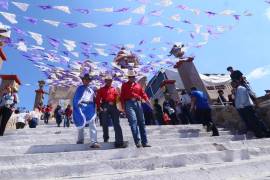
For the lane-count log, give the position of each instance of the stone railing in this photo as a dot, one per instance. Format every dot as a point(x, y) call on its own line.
point(228, 117)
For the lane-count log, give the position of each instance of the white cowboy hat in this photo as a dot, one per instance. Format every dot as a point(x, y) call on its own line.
point(131, 73)
point(108, 77)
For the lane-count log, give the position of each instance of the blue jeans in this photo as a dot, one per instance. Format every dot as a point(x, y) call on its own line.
point(135, 117)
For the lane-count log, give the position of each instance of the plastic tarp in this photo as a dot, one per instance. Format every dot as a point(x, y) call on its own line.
point(172, 74)
point(215, 80)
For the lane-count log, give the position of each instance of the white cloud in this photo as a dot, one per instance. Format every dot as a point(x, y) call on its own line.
point(267, 13)
point(259, 72)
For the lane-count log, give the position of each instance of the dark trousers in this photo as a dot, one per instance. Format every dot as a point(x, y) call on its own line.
point(204, 116)
point(174, 119)
point(253, 122)
point(159, 118)
point(149, 118)
point(5, 113)
point(111, 111)
point(20, 125)
point(186, 114)
point(46, 117)
point(67, 121)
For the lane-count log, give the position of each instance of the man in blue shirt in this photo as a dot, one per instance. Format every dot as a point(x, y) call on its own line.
point(199, 104)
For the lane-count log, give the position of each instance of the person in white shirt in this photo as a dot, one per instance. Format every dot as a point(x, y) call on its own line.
point(20, 119)
point(185, 106)
point(245, 107)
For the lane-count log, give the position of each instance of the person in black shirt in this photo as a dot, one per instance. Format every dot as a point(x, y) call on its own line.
point(236, 75)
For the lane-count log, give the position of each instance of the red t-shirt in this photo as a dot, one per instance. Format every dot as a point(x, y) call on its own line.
point(132, 90)
point(106, 94)
point(68, 112)
point(48, 109)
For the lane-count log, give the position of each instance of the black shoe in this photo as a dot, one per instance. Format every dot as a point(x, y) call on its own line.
point(209, 127)
point(122, 145)
point(95, 146)
point(146, 145)
point(79, 142)
point(138, 145)
point(215, 134)
point(106, 140)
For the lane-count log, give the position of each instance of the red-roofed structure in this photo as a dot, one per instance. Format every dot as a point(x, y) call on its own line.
point(2, 55)
point(9, 80)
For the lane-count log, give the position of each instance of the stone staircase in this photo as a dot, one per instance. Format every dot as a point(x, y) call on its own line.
point(177, 152)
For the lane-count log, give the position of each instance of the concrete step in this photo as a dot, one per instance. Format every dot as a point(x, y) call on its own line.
point(30, 148)
point(66, 153)
point(154, 134)
point(91, 167)
point(239, 170)
point(49, 129)
point(33, 145)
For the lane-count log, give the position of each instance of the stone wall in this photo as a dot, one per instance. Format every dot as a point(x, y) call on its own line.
point(228, 117)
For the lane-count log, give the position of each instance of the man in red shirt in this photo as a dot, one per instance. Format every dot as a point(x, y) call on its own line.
point(47, 113)
point(132, 94)
point(68, 115)
point(106, 105)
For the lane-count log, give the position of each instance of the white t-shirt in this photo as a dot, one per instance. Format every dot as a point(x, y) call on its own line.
point(185, 99)
point(20, 117)
point(88, 95)
point(242, 98)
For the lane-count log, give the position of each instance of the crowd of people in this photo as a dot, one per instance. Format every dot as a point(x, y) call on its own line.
point(190, 107)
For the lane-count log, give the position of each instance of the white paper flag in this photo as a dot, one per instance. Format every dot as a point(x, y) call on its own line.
point(10, 17)
point(62, 8)
point(166, 2)
point(37, 37)
point(70, 45)
point(54, 23)
point(67, 59)
point(227, 12)
point(176, 17)
point(21, 6)
point(156, 40)
point(108, 10)
point(139, 10)
point(197, 28)
point(89, 25)
point(130, 46)
point(125, 22)
point(37, 47)
point(101, 52)
point(21, 46)
point(76, 54)
point(158, 24)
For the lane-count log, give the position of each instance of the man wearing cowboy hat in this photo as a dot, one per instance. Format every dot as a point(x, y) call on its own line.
point(106, 106)
point(84, 111)
point(132, 94)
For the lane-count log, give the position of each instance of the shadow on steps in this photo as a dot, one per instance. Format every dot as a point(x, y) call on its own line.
point(67, 148)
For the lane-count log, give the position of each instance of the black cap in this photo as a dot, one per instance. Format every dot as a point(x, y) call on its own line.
point(86, 76)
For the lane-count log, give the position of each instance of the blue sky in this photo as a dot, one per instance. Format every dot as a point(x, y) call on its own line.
point(245, 47)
